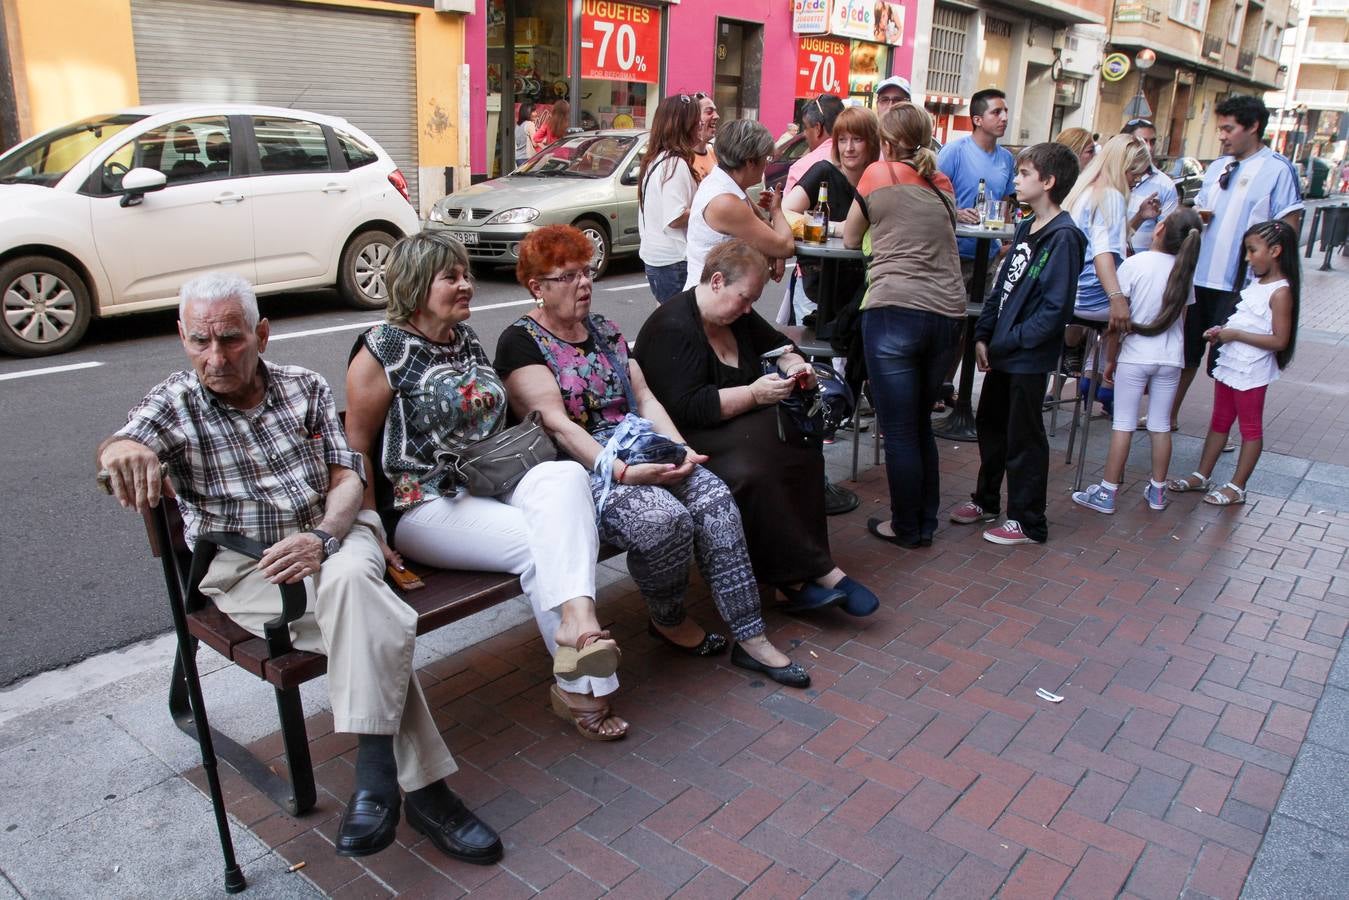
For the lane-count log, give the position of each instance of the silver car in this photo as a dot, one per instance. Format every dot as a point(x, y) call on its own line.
point(588, 180)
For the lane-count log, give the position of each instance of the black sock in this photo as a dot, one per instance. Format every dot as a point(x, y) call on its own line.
point(436, 797)
point(376, 769)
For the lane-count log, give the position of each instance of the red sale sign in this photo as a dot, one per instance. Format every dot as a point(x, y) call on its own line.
point(821, 66)
point(620, 41)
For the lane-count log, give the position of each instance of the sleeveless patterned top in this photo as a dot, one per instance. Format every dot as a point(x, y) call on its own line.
point(446, 396)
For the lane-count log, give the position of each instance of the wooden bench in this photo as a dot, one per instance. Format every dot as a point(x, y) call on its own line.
point(448, 596)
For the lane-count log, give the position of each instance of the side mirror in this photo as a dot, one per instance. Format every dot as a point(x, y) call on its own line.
point(139, 182)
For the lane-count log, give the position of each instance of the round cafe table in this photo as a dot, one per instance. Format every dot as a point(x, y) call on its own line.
point(816, 344)
point(959, 425)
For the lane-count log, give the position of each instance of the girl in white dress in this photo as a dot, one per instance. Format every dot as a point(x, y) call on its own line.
point(1256, 343)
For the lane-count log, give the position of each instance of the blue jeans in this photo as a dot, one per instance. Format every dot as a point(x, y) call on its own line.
point(908, 352)
point(666, 281)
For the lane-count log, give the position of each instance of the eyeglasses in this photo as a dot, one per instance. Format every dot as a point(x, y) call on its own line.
point(1226, 177)
point(588, 272)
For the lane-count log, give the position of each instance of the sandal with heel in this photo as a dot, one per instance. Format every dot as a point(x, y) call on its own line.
point(586, 712)
point(589, 658)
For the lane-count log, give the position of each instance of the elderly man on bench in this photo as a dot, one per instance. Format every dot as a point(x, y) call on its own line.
point(255, 449)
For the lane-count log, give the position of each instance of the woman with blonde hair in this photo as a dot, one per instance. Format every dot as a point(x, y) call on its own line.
point(912, 312)
point(1079, 141)
point(1098, 204)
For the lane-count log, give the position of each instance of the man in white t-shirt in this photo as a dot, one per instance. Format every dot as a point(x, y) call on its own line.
point(1249, 185)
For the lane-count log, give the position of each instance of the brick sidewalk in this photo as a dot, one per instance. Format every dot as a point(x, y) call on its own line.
point(1190, 646)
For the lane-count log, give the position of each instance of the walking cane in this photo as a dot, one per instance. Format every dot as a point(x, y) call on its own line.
point(187, 664)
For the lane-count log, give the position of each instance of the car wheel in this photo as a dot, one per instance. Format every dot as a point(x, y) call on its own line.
point(360, 275)
point(600, 238)
point(45, 304)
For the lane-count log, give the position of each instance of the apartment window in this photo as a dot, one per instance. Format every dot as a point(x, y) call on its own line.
point(1234, 35)
point(995, 27)
point(946, 56)
point(1269, 44)
point(1191, 12)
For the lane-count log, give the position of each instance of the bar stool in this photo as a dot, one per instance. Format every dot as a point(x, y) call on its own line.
point(1091, 335)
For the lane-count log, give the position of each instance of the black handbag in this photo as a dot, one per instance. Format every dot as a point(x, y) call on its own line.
point(494, 466)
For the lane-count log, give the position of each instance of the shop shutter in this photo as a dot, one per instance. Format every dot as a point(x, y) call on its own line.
point(342, 62)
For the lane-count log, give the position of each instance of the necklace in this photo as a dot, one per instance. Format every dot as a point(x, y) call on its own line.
point(427, 337)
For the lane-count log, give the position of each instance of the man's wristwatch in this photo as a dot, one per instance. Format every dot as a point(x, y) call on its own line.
point(330, 544)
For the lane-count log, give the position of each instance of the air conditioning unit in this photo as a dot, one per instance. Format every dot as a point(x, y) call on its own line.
point(459, 6)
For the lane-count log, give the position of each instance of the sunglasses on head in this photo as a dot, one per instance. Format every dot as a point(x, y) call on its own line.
point(1226, 177)
point(1139, 123)
point(691, 98)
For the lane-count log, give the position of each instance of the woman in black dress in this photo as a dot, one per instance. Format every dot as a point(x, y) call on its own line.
point(701, 354)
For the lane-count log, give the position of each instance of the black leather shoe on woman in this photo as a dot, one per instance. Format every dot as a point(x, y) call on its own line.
point(455, 829)
point(791, 675)
point(711, 644)
point(368, 824)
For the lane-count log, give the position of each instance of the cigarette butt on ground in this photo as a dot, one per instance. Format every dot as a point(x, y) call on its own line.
point(297, 867)
point(814, 654)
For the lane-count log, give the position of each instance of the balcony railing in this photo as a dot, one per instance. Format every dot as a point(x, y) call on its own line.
point(1213, 46)
point(1326, 7)
point(1325, 51)
point(1322, 99)
point(1245, 61)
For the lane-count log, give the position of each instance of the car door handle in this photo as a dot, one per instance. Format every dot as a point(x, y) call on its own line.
point(334, 189)
point(229, 197)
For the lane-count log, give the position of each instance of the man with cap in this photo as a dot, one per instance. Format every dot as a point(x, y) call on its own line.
point(891, 91)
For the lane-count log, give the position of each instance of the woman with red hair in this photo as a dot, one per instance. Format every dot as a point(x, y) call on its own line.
point(573, 368)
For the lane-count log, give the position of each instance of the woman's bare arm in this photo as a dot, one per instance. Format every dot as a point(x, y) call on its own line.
point(731, 215)
point(534, 389)
point(368, 400)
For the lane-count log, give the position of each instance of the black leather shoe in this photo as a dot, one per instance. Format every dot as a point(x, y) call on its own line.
point(791, 675)
point(457, 832)
point(368, 824)
point(711, 644)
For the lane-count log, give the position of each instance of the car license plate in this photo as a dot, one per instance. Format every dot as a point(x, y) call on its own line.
point(467, 238)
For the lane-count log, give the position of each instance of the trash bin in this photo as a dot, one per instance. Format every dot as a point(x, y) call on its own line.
point(1318, 174)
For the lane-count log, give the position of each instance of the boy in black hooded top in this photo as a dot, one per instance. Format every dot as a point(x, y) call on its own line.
point(1017, 342)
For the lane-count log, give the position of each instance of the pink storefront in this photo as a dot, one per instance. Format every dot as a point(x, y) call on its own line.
point(612, 60)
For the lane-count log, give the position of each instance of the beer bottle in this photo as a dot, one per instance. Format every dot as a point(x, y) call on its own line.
point(981, 201)
point(817, 225)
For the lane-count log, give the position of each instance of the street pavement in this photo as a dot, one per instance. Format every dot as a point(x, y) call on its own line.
point(1199, 750)
point(74, 580)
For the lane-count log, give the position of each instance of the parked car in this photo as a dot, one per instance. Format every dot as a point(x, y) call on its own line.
point(1187, 173)
point(588, 180)
point(111, 214)
point(775, 173)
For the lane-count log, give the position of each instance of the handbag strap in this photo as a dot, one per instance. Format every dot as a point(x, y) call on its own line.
point(603, 346)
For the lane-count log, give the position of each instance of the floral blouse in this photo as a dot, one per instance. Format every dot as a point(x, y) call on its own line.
point(592, 392)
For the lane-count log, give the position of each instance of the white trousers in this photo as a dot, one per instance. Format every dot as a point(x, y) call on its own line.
point(368, 634)
point(1131, 380)
point(543, 531)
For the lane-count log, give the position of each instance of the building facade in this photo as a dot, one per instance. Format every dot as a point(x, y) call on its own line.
point(1205, 50)
point(1311, 115)
point(391, 67)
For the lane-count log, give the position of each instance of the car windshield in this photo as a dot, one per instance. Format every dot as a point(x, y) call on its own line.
point(580, 156)
point(47, 160)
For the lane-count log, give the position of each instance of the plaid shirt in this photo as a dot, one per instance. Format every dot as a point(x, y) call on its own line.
point(262, 472)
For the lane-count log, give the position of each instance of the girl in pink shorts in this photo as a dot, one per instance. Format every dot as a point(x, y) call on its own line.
point(1256, 343)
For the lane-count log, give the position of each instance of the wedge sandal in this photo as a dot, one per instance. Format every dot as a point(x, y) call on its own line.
point(595, 656)
point(587, 713)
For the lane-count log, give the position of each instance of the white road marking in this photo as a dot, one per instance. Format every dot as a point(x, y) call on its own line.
point(627, 287)
point(49, 370)
point(352, 326)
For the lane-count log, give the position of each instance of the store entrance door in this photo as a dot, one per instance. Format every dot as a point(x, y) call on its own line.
point(527, 63)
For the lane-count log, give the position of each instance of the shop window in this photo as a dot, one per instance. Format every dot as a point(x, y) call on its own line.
point(946, 57)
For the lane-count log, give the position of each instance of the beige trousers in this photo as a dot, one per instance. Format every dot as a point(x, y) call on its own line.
point(368, 634)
